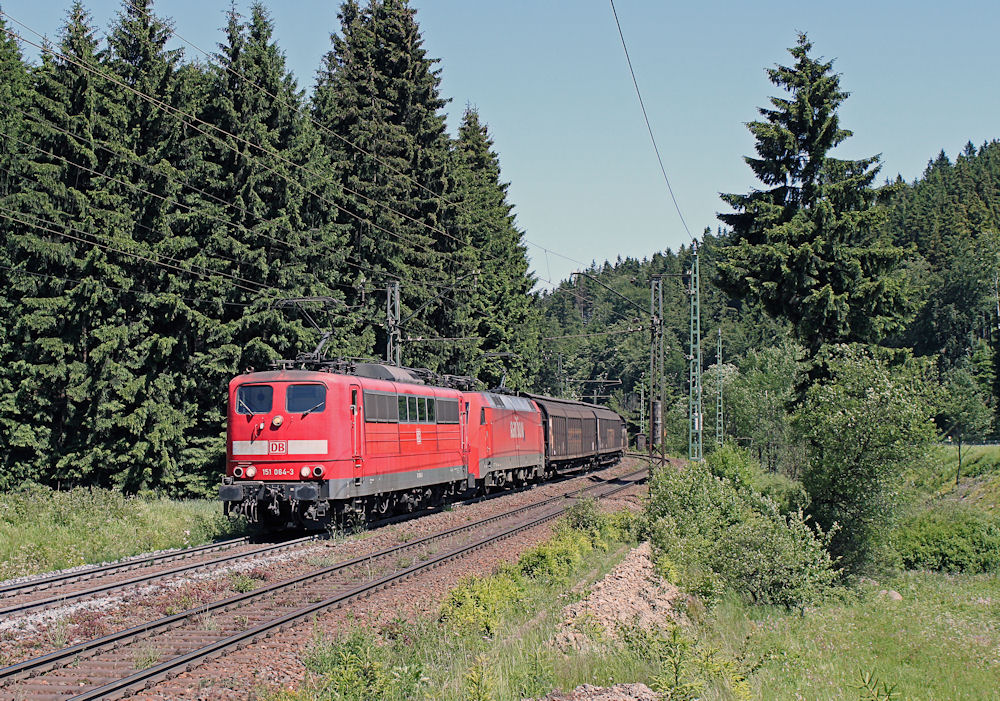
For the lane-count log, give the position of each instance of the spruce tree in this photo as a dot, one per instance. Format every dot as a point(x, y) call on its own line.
point(254, 172)
point(377, 97)
point(73, 331)
point(810, 246)
point(15, 87)
point(503, 315)
point(14, 101)
point(156, 417)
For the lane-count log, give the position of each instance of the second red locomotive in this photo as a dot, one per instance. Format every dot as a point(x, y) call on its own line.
point(307, 446)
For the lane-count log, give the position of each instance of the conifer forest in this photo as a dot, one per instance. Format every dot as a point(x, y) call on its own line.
point(160, 210)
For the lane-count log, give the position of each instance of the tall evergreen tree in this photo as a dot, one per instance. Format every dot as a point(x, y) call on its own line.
point(952, 217)
point(143, 422)
point(377, 94)
point(15, 89)
point(73, 332)
point(503, 315)
point(250, 226)
point(809, 246)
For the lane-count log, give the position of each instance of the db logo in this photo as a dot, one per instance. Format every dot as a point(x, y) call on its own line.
point(516, 429)
point(277, 447)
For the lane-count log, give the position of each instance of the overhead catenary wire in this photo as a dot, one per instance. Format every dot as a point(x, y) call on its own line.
point(419, 339)
point(181, 115)
point(125, 183)
point(176, 202)
point(274, 154)
point(424, 283)
point(46, 224)
point(645, 116)
point(174, 112)
point(343, 138)
point(595, 333)
point(133, 291)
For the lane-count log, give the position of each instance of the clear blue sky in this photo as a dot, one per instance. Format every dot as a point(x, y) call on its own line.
point(550, 79)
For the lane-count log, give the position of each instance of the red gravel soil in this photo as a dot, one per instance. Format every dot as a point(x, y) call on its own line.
point(276, 662)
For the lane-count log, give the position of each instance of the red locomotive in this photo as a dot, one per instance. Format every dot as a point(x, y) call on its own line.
point(308, 446)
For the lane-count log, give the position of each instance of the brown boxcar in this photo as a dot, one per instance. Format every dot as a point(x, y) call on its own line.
point(577, 433)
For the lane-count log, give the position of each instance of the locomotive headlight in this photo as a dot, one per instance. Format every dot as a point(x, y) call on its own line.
point(304, 471)
point(238, 471)
point(318, 471)
point(277, 420)
point(251, 472)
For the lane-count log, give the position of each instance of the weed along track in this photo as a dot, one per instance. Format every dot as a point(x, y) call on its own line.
point(131, 659)
point(59, 589)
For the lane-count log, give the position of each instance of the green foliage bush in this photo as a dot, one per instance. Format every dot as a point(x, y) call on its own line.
point(359, 667)
point(685, 668)
point(864, 424)
point(620, 526)
point(733, 464)
point(739, 467)
point(950, 538)
point(713, 534)
point(557, 557)
point(479, 603)
point(788, 495)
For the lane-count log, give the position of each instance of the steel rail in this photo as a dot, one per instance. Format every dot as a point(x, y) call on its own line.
point(144, 678)
point(17, 589)
point(60, 658)
point(151, 577)
point(29, 585)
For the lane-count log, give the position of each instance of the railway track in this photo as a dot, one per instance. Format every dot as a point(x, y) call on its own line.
point(19, 598)
point(85, 573)
point(129, 660)
point(63, 597)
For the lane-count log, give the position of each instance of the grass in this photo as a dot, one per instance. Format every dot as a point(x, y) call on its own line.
point(949, 527)
point(491, 640)
point(939, 642)
point(979, 484)
point(42, 529)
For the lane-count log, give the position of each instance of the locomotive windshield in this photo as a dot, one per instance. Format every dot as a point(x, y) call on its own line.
point(305, 399)
point(254, 399)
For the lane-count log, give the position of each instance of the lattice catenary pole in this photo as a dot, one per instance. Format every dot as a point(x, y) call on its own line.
point(694, 364)
point(718, 393)
point(393, 337)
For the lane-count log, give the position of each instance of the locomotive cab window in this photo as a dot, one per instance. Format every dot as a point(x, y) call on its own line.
point(305, 399)
point(254, 399)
